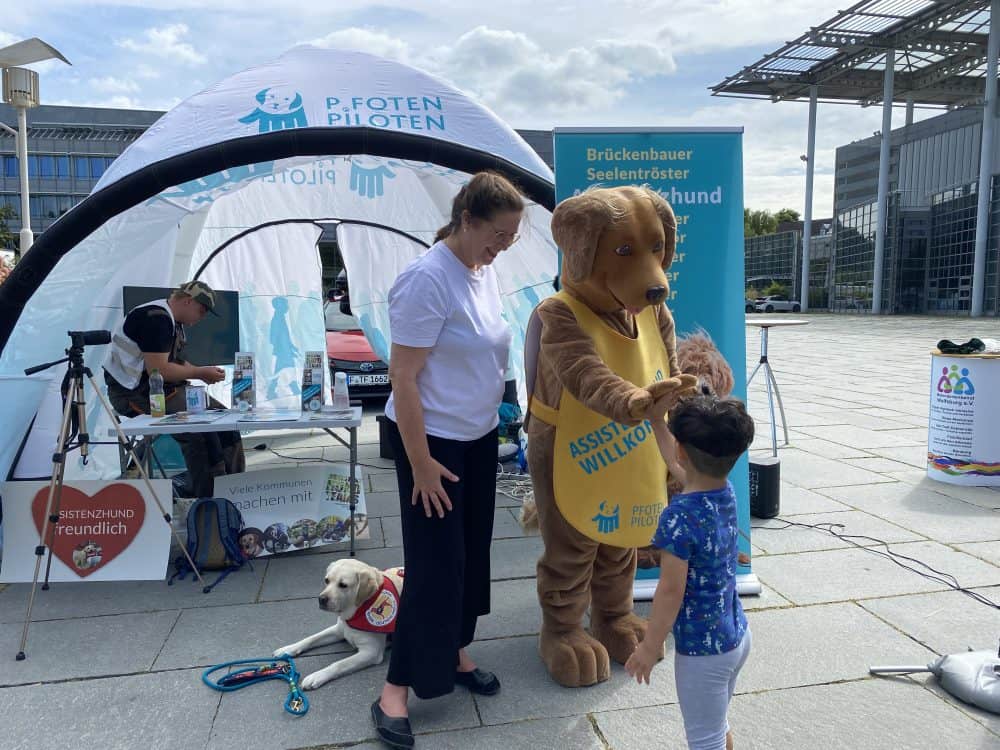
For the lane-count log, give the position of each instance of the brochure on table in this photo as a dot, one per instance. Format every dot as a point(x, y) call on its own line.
point(290, 509)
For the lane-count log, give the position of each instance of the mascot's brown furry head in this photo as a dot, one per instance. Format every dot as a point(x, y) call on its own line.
point(616, 244)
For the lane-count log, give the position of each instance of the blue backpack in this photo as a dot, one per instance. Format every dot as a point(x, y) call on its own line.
point(213, 528)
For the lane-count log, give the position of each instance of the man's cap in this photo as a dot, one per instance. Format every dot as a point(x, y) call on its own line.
point(200, 292)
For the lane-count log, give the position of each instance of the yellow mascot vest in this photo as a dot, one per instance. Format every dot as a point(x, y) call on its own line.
point(609, 479)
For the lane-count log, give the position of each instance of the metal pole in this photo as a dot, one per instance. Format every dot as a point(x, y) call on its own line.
point(985, 165)
point(909, 109)
point(807, 225)
point(22, 157)
point(883, 181)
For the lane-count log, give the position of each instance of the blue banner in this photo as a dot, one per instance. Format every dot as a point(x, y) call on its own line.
point(700, 173)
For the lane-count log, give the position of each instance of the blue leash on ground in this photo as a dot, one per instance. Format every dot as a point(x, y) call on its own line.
point(265, 669)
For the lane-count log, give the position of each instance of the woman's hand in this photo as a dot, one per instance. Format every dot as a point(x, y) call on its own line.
point(427, 487)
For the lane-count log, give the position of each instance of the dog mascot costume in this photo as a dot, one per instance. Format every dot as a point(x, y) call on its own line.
point(598, 355)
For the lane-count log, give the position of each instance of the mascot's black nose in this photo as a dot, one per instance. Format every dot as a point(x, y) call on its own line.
point(322, 601)
point(656, 294)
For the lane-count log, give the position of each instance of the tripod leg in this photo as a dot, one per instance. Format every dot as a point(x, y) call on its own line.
point(58, 458)
point(54, 519)
point(770, 405)
point(752, 374)
point(781, 406)
point(142, 470)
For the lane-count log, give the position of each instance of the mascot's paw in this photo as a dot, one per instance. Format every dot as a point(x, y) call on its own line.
point(639, 403)
point(673, 388)
point(574, 659)
point(620, 635)
point(529, 514)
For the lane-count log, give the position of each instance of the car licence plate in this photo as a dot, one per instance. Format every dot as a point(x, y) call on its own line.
point(381, 379)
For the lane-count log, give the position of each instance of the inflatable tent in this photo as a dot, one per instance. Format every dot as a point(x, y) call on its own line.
point(235, 186)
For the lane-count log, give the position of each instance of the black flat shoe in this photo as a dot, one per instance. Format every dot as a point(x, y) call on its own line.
point(392, 730)
point(478, 681)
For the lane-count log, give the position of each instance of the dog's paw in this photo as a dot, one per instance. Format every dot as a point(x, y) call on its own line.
point(285, 651)
point(313, 681)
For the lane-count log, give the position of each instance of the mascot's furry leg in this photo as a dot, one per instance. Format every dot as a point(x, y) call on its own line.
point(611, 618)
point(565, 570)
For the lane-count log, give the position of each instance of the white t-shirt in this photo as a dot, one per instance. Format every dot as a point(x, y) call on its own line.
point(440, 303)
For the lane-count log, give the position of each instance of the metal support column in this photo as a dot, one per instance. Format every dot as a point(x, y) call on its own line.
point(985, 165)
point(807, 224)
point(909, 109)
point(883, 181)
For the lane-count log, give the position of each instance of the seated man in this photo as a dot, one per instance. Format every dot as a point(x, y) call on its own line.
point(151, 338)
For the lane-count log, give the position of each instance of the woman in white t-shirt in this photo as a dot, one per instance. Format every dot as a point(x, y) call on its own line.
point(450, 345)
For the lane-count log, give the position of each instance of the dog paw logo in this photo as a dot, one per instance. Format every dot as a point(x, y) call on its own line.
point(277, 109)
point(383, 610)
point(369, 182)
point(954, 382)
point(607, 523)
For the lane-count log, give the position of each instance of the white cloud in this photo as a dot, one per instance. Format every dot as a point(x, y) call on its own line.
point(166, 42)
point(365, 40)
point(112, 85)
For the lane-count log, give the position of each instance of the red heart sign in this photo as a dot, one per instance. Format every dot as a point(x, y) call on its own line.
point(92, 530)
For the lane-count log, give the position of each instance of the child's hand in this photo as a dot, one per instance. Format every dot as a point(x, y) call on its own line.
point(640, 664)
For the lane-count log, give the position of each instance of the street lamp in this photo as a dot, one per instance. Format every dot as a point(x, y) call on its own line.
point(20, 90)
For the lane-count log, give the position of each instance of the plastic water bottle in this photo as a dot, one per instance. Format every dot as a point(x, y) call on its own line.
point(157, 401)
point(341, 397)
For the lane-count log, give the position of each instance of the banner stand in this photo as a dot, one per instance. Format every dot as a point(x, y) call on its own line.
point(699, 171)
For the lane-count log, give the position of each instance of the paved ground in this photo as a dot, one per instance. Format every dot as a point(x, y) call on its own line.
point(118, 665)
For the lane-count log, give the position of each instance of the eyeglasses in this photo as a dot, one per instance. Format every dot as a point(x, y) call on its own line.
point(504, 238)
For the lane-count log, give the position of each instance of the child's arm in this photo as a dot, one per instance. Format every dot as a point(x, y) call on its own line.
point(666, 443)
point(666, 604)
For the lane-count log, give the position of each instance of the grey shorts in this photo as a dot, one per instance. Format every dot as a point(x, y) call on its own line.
point(705, 684)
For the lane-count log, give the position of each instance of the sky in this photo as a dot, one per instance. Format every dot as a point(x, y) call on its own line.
point(537, 64)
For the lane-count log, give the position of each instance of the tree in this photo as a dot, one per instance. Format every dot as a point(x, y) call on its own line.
point(786, 214)
point(756, 223)
point(6, 236)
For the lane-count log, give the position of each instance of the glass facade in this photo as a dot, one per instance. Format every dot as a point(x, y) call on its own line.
point(854, 258)
point(951, 250)
point(773, 259)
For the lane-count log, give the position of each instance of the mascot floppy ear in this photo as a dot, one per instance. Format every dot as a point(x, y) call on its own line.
point(669, 221)
point(577, 224)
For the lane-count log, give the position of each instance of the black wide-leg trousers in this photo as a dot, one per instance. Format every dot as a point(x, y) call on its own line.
point(446, 585)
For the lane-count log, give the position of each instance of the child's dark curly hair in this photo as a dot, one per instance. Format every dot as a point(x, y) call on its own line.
point(715, 432)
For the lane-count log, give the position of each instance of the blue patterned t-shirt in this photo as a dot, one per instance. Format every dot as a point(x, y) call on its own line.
point(701, 527)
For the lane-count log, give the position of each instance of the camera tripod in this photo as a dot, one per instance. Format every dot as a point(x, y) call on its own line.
point(72, 435)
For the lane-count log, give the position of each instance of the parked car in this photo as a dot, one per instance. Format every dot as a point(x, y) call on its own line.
point(348, 351)
point(777, 303)
point(749, 304)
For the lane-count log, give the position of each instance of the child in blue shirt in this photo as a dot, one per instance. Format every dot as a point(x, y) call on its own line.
point(698, 540)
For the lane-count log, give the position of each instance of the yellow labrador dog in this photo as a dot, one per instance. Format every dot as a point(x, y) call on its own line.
point(366, 601)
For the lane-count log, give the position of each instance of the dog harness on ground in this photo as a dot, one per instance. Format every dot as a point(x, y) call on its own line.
point(263, 669)
point(378, 612)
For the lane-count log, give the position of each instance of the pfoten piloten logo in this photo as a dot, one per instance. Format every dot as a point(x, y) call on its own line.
point(955, 382)
point(278, 108)
point(607, 522)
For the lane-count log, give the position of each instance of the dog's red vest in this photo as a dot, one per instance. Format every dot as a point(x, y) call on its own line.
point(378, 612)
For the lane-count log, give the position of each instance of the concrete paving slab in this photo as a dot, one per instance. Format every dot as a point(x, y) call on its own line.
point(865, 438)
point(775, 536)
point(248, 631)
point(810, 472)
point(988, 551)
point(529, 693)
point(383, 504)
point(385, 483)
point(989, 720)
point(984, 497)
point(574, 732)
point(947, 622)
point(514, 558)
point(504, 527)
point(795, 501)
point(911, 455)
point(855, 574)
point(95, 598)
point(832, 717)
point(86, 647)
point(166, 710)
point(829, 449)
point(514, 610)
point(921, 510)
point(338, 714)
point(878, 464)
point(820, 644)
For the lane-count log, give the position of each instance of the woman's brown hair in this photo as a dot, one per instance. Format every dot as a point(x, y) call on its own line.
point(484, 196)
